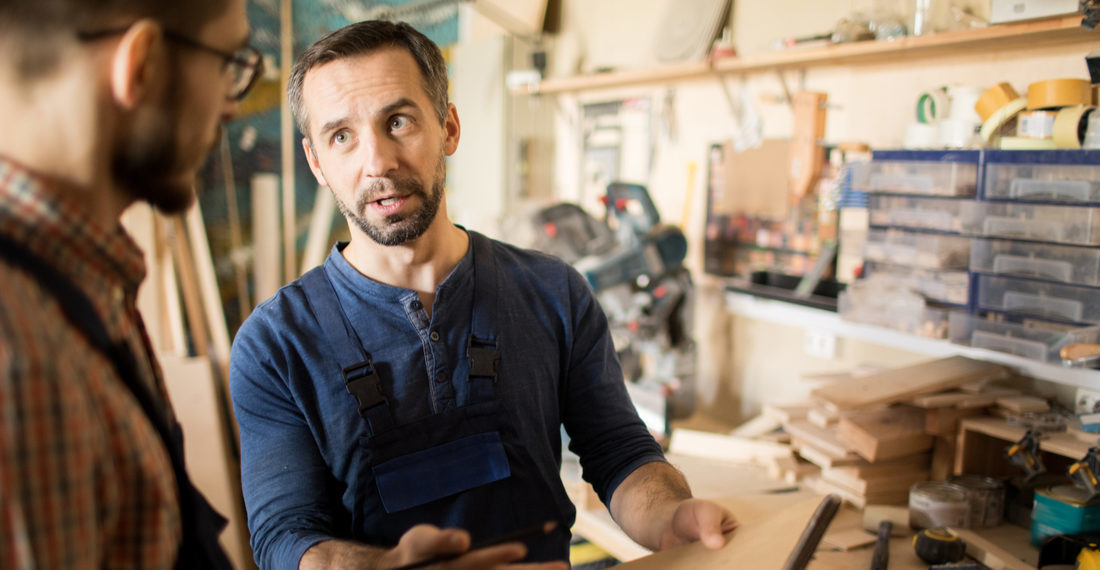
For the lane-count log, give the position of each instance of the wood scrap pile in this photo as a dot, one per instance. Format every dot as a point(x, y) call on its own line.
point(871, 437)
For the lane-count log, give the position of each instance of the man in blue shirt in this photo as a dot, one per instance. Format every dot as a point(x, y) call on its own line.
point(405, 399)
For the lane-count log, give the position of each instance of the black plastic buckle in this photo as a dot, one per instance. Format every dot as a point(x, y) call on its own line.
point(484, 358)
point(362, 381)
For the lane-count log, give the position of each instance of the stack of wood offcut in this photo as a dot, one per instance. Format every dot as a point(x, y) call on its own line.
point(874, 436)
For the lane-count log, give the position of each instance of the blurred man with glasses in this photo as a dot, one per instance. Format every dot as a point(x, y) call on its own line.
point(103, 103)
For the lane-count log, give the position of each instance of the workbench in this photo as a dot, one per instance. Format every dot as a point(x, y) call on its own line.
point(748, 491)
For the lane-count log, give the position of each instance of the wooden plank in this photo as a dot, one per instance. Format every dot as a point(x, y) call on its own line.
point(724, 447)
point(867, 486)
point(822, 439)
point(945, 421)
point(904, 383)
point(265, 226)
point(287, 144)
point(320, 229)
point(757, 426)
point(826, 461)
point(848, 539)
point(943, 457)
point(786, 413)
point(207, 449)
point(1062, 444)
point(863, 469)
point(1022, 404)
point(884, 434)
point(823, 417)
point(985, 551)
point(767, 542)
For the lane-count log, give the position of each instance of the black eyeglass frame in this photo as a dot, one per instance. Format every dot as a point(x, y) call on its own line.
point(252, 64)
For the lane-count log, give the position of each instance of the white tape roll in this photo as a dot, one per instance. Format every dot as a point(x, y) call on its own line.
point(932, 106)
point(963, 99)
point(921, 136)
point(958, 133)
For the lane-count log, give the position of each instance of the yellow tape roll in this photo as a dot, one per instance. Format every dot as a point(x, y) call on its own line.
point(994, 98)
point(1001, 117)
point(1024, 143)
point(1070, 126)
point(1056, 93)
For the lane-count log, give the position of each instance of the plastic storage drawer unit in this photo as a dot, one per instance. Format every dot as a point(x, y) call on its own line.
point(928, 173)
point(1061, 263)
point(1043, 176)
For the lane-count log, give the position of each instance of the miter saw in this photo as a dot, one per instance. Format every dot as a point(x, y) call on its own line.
point(634, 264)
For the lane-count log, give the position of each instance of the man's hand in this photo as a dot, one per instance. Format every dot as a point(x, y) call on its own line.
point(697, 519)
point(655, 507)
point(420, 543)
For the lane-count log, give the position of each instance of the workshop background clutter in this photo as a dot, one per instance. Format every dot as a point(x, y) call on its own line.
point(846, 247)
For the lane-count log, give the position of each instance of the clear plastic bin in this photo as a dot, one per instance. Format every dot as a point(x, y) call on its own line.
point(940, 214)
point(891, 305)
point(928, 251)
point(1063, 224)
point(945, 286)
point(1035, 340)
point(1061, 263)
point(1048, 176)
point(1040, 299)
point(918, 177)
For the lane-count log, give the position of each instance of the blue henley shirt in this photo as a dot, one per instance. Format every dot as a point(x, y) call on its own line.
point(300, 429)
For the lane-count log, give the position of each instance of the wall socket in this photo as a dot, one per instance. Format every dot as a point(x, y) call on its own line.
point(821, 344)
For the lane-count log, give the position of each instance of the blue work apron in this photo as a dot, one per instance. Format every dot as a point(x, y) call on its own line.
point(465, 467)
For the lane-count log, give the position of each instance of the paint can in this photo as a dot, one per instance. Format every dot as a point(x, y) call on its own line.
point(986, 497)
point(935, 504)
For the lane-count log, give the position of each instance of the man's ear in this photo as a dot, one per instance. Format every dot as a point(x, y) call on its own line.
point(136, 63)
point(314, 165)
point(453, 130)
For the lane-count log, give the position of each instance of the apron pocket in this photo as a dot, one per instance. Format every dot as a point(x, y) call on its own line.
point(453, 467)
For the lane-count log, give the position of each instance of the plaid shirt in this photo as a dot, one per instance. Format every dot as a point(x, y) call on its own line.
point(85, 482)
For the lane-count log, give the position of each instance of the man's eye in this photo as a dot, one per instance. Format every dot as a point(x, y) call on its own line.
point(398, 123)
point(340, 138)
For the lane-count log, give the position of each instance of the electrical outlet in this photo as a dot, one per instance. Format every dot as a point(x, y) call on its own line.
point(1087, 406)
point(819, 343)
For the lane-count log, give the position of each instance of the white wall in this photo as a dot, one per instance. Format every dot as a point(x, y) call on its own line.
point(742, 362)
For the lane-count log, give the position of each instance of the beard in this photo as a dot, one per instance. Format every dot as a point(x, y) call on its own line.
point(397, 229)
point(150, 165)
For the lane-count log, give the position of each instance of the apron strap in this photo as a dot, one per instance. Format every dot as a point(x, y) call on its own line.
point(201, 524)
point(483, 346)
point(360, 375)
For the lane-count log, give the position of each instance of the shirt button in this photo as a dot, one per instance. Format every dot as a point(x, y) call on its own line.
point(441, 377)
point(434, 336)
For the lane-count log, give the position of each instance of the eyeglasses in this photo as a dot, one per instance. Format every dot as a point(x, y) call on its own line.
point(245, 64)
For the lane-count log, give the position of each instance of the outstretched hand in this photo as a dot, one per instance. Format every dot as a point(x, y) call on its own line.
point(698, 519)
point(424, 542)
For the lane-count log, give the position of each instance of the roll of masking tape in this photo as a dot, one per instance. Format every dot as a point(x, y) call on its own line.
point(958, 133)
point(932, 106)
point(921, 136)
point(964, 99)
point(1035, 124)
point(1001, 117)
point(1058, 93)
point(1071, 125)
point(994, 98)
point(1024, 143)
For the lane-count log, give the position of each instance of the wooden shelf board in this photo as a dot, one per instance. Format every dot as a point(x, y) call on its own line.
point(1062, 30)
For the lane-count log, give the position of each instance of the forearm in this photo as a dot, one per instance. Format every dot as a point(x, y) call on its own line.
point(644, 503)
point(344, 555)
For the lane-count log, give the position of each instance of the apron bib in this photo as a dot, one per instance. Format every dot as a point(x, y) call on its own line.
point(465, 467)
